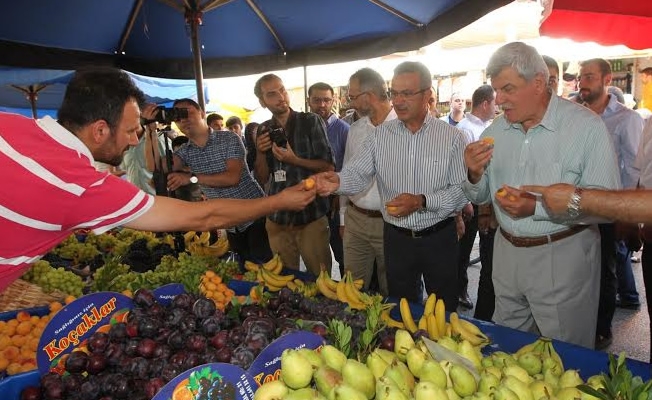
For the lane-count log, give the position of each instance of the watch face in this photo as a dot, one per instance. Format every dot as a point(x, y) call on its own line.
point(194, 179)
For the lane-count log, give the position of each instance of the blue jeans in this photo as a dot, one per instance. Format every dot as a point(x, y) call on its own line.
point(626, 283)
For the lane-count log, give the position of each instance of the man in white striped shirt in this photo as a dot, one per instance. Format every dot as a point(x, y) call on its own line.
point(57, 190)
point(417, 161)
point(546, 271)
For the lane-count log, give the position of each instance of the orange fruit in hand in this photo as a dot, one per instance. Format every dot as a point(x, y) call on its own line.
point(501, 192)
point(392, 209)
point(489, 141)
point(512, 198)
point(308, 183)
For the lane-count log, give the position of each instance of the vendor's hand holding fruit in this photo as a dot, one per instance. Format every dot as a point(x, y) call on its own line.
point(555, 197)
point(178, 179)
point(476, 157)
point(404, 204)
point(326, 183)
point(516, 203)
point(297, 197)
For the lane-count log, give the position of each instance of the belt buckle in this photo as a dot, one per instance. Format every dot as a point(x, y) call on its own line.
point(415, 234)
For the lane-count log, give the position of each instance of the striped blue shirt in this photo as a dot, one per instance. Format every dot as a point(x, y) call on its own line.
point(428, 162)
point(337, 132)
point(570, 145)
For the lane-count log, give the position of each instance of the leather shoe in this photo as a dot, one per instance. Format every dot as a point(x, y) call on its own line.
point(627, 304)
point(465, 302)
point(602, 342)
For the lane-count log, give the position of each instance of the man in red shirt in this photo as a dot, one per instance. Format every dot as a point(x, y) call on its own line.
point(55, 189)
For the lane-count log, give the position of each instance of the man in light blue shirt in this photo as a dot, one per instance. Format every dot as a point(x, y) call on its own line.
point(546, 271)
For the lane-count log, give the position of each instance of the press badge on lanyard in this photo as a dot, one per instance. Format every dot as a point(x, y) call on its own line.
point(279, 175)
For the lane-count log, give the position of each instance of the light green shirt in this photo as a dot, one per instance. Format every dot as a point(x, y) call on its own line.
point(570, 145)
point(134, 164)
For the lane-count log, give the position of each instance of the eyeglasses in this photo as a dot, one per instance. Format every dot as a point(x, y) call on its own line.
point(406, 94)
point(354, 98)
point(319, 100)
point(431, 100)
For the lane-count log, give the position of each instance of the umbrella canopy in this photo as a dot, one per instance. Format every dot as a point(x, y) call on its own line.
point(25, 90)
point(607, 22)
point(236, 37)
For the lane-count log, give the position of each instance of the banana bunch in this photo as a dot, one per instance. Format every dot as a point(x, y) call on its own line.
point(468, 331)
point(274, 265)
point(328, 287)
point(307, 289)
point(388, 320)
point(199, 244)
point(273, 281)
point(540, 357)
point(347, 292)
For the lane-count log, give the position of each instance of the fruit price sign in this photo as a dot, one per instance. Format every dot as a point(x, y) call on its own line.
point(210, 381)
point(166, 293)
point(74, 324)
point(267, 366)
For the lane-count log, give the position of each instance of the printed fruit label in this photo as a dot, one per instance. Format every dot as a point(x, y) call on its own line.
point(166, 293)
point(267, 366)
point(71, 327)
point(210, 381)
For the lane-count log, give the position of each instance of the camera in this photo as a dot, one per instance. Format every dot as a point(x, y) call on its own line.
point(167, 115)
point(278, 136)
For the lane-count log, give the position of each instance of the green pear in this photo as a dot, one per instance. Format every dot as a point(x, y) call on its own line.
point(497, 372)
point(402, 377)
point(386, 389)
point(551, 379)
point(432, 371)
point(312, 356)
point(464, 382)
point(531, 363)
point(271, 391)
point(359, 377)
point(388, 356)
point(333, 357)
point(296, 370)
point(304, 394)
point(376, 364)
point(518, 372)
point(346, 392)
point(403, 342)
point(326, 378)
point(596, 381)
point(448, 342)
point(487, 362)
point(502, 392)
point(569, 393)
point(502, 359)
point(541, 389)
point(481, 396)
point(423, 347)
point(569, 379)
point(550, 364)
point(466, 350)
point(415, 359)
point(446, 366)
point(519, 387)
point(487, 382)
point(429, 391)
point(452, 395)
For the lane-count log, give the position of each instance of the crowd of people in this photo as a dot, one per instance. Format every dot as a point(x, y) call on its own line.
point(401, 191)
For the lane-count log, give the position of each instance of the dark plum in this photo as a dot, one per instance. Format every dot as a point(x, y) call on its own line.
point(113, 353)
point(256, 342)
point(242, 357)
point(203, 308)
point(175, 316)
point(50, 378)
point(192, 360)
point(236, 335)
point(265, 325)
point(188, 323)
point(196, 343)
point(156, 366)
point(156, 310)
point(146, 347)
point(183, 301)
point(320, 330)
point(55, 391)
point(178, 358)
point(31, 393)
point(162, 351)
point(163, 335)
point(220, 339)
point(176, 340)
point(144, 298)
point(118, 332)
point(224, 354)
point(419, 334)
point(273, 303)
point(98, 341)
point(72, 382)
point(139, 368)
point(295, 300)
point(170, 371)
point(251, 310)
point(153, 386)
point(76, 362)
point(89, 390)
point(131, 346)
point(284, 311)
point(96, 363)
point(284, 295)
point(210, 325)
point(387, 343)
point(148, 327)
point(132, 328)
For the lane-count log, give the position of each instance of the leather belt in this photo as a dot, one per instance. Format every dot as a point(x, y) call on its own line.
point(424, 232)
point(541, 240)
point(368, 213)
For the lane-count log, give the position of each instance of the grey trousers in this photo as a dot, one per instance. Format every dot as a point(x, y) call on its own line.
point(363, 244)
point(551, 289)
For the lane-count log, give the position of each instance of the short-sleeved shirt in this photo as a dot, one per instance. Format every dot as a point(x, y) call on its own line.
point(54, 190)
point(308, 140)
point(212, 159)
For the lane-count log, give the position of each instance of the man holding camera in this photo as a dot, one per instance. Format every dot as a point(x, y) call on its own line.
point(291, 147)
point(51, 162)
point(217, 163)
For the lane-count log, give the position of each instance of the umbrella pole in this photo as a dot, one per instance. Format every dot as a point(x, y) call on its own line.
point(305, 87)
point(193, 18)
point(32, 95)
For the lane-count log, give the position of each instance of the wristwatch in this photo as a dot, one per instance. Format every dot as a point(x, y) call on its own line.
point(193, 178)
point(423, 208)
point(574, 208)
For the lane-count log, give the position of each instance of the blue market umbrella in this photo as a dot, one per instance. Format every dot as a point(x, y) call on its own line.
point(189, 38)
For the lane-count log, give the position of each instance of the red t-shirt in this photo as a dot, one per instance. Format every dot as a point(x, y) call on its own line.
point(50, 189)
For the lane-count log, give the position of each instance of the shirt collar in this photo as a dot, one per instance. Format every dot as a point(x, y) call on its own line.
point(331, 119)
point(612, 106)
point(549, 120)
point(65, 137)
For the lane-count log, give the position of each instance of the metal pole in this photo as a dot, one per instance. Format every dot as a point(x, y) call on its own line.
point(193, 17)
point(32, 95)
point(305, 88)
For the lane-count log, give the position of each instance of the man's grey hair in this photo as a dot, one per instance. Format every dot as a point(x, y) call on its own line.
point(425, 78)
point(523, 58)
point(371, 81)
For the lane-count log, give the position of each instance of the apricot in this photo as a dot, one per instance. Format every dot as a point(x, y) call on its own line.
point(489, 141)
point(23, 316)
point(392, 209)
point(308, 183)
point(501, 192)
point(10, 353)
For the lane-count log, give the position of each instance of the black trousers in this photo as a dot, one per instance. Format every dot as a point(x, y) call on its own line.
point(336, 240)
point(486, 302)
point(251, 244)
point(646, 262)
point(433, 256)
point(608, 281)
point(466, 246)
